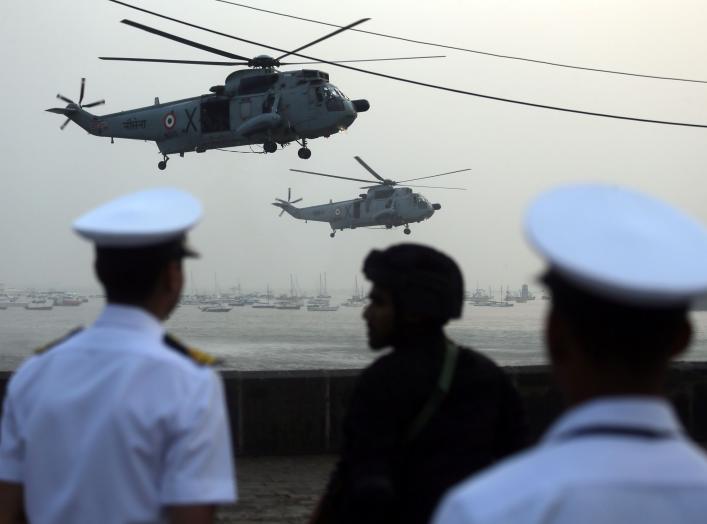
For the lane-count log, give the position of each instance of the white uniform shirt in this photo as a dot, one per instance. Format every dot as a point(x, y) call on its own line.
point(112, 425)
point(592, 478)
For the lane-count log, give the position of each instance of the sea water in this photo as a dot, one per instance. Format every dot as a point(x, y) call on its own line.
point(271, 339)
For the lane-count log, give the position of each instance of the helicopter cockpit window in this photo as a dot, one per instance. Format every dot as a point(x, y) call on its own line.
point(338, 92)
point(327, 91)
point(332, 97)
point(334, 104)
point(256, 84)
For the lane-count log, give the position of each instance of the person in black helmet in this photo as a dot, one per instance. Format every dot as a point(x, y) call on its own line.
point(425, 415)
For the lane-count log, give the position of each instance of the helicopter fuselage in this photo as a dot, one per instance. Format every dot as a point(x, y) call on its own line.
point(253, 107)
point(380, 206)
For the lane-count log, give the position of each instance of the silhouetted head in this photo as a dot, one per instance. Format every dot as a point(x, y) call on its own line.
point(414, 287)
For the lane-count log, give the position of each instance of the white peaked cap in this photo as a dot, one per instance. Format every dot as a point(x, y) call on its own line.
point(620, 244)
point(140, 219)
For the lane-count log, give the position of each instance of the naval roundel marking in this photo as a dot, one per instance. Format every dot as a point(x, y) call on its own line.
point(169, 120)
point(337, 211)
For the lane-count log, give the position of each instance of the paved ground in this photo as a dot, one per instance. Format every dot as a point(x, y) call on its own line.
point(277, 490)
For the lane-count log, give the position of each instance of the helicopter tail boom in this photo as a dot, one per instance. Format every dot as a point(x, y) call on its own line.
point(81, 117)
point(74, 111)
point(66, 111)
point(287, 207)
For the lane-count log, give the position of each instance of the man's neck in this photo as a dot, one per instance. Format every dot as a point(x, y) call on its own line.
point(147, 306)
point(413, 338)
point(612, 383)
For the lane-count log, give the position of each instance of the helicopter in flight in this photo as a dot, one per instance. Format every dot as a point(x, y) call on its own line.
point(260, 105)
point(387, 204)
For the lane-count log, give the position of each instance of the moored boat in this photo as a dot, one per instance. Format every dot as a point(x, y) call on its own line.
point(39, 306)
point(215, 308)
point(263, 305)
point(288, 305)
point(322, 307)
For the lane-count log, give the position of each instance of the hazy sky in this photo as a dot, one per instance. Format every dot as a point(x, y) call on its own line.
point(49, 177)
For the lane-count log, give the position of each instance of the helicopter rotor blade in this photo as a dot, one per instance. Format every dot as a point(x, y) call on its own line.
point(295, 201)
point(334, 33)
point(369, 169)
point(289, 193)
point(94, 104)
point(83, 90)
point(434, 187)
point(281, 212)
point(67, 100)
point(330, 176)
point(167, 61)
point(66, 123)
point(183, 40)
point(476, 51)
point(367, 60)
point(420, 83)
point(433, 176)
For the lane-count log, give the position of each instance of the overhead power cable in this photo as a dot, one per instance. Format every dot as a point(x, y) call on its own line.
point(416, 82)
point(466, 50)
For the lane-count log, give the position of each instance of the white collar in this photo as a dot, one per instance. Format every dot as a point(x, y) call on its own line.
point(641, 412)
point(122, 316)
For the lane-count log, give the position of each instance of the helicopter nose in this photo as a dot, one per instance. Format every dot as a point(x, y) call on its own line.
point(361, 105)
point(348, 117)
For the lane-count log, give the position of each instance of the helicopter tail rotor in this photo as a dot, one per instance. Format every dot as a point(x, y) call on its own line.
point(284, 204)
point(72, 106)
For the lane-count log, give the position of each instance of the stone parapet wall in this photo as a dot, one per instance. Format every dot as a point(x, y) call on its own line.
point(300, 412)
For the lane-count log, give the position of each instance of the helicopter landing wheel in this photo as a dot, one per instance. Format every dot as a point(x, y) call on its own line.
point(304, 153)
point(406, 230)
point(270, 146)
point(162, 165)
point(332, 234)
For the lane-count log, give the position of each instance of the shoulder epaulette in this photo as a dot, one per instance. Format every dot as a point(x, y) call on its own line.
point(46, 347)
point(198, 356)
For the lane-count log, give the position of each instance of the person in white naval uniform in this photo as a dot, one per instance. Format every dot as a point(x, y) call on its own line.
point(116, 424)
point(623, 268)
